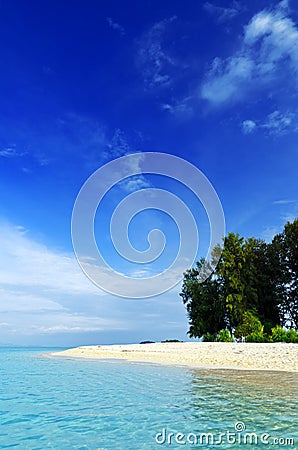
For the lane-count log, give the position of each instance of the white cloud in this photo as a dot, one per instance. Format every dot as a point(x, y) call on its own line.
point(140, 283)
point(26, 323)
point(275, 124)
point(27, 263)
point(14, 300)
point(279, 124)
point(135, 183)
point(223, 14)
point(287, 211)
point(269, 233)
point(268, 50)
point(10, 152)
point(45, 293)
point(70, 323)
point(153, 59)
point(248, 126)
point(284, 202)
point(141, 273)
point(290, 216)
point(70, 136)
point(227, 79)
point(179, 108)
point(118, 145)
point(115, 26)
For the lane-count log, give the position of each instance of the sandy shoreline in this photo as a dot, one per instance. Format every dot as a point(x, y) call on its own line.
point(211, 355)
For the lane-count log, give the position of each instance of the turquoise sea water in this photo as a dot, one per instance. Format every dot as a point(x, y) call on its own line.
point(48, 403)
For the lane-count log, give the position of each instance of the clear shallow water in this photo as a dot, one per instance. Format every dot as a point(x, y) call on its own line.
point(70, 404)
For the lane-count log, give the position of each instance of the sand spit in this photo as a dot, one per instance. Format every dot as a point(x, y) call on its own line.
point(216, 355)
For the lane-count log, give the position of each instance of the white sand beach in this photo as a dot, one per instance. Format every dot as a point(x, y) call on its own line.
point(211, 355)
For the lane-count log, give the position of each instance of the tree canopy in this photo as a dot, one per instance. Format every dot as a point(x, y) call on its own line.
point(254, 283)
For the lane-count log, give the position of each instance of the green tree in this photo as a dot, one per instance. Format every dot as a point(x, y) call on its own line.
point(230, 272)
point(240, 276)
point(251, 276)
point(251, 324)
point(263, 275)
point(204, 303)
point(286, 250)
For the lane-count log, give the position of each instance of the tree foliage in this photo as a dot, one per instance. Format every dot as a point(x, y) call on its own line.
point(203, 302)
point(250, 324)
point(254, 287)
point(286, 244)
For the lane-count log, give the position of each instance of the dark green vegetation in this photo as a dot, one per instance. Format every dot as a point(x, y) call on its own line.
point(251, 295)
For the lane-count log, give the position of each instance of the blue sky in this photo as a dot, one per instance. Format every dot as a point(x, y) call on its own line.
point(83, 83)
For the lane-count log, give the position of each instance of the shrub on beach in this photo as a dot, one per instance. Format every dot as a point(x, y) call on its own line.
point(292, 336)
point(208, 337)
point(224, 336)
point(279, 334)
point(250, 325)
point(257, 337)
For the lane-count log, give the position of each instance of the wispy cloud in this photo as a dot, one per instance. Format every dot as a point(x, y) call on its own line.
point(44, 293)
point(68, 136)
point(267, 52)
point(26, 263)
point(120, 145)
point(115, 26)
point(135, 183)
point(227, 79)
point(18, 301)
point(182, 107)
point(80, 137)
point(269, 233)
point(8, 152)
point(11, 152)
point(153, 57)
point(287, 211)
point(248, 126)
point(19, 324)
point(290, 216)
point(276, 124)
point(284, 202)
point(223, 14)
